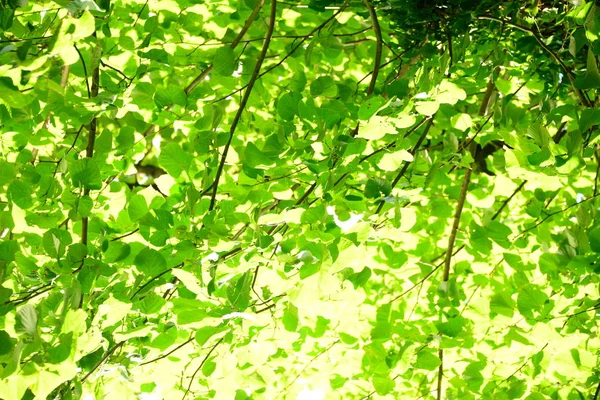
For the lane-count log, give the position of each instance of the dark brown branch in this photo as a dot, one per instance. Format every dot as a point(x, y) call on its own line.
point(238, 114)
point(85, 73)
point(378, 47)
point(89, 151)
point(459, 208)
point(440, 374)
point(446, 276)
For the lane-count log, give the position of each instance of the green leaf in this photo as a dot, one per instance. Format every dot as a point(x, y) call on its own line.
point(594, 238)
point(370, 107)
point(170, 95)
point(530, 298)
point(21, 194)
point(224, 61)
point(290, 318)
point(501, 303)
point(238, 291)
point(7, 172)
point(150, 262)
point(383, 385)
point(452, 328)
point(208, 368)
point(137, 207)
point(323, 86)
point(85, 206)
point(55, 242)
point(152, 303)
point(287, 105)
point(7, 343)
point(255, 158)
point(174, 160)
point(591, 78)
point(205, 333)
point(27, 320)
point(427, 361)
point(85, 173)
point(360, 279)
point(61, 352)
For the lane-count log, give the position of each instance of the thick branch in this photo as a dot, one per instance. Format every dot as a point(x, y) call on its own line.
point(89, 151)
point(459, 208)
point(378, 48)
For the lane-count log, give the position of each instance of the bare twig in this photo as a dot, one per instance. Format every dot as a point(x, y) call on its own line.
point(517, 190)
point(555, 56)
point(102, 360)
point(404, 168)
point(306, 367)
point(170, 352)
point(238, 115)
point(201, 364)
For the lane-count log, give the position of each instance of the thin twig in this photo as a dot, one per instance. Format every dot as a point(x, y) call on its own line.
point(517, 190)
point(125, 235)
point(404, 168)
point(306, 367)
point(203, 361)
point(238, 115)
point(556, 212)
point(170, 352)
point(102, 360)
point(555, 56)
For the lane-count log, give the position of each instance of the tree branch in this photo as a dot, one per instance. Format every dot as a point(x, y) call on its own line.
point(459, 208)
point(378, 47)
point(238, 115)
point(404, 168)
point(205, 358)
point(89, 151)
point(555, 56)
point(208, 70)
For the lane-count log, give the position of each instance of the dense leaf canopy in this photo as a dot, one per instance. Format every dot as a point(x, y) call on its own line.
point(261, 199)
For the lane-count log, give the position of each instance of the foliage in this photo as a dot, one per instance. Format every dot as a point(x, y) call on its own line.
point(262, 199)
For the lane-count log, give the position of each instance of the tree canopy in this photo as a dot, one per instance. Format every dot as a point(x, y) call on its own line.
point(324, 199)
